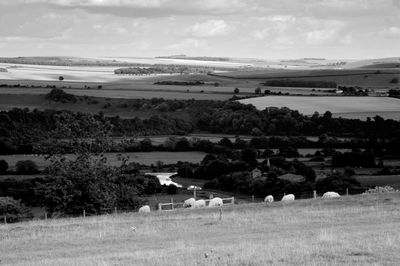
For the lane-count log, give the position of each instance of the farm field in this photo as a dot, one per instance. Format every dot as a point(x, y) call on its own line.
point(354, 230)
point(146, 158)
point(380, 180)
point(354, 107)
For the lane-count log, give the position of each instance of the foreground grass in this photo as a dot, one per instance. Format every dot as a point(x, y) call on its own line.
point(360, 230)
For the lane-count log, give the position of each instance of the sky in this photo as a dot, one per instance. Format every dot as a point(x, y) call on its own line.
point(267, 29)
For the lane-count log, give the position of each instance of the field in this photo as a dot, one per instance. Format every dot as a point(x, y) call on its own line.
point(349, 107)
point(355, 230)
point(146, 158)
point(380, 180)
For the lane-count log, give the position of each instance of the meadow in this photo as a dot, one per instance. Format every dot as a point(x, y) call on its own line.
point(354, 230)
point(351, 107)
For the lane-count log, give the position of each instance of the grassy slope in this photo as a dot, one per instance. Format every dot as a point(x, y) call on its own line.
point(359, 230)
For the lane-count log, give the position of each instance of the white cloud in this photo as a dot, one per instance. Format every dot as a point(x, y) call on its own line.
point(317, 37)
point(189, 43)
point(210, 28)
point(391, 32)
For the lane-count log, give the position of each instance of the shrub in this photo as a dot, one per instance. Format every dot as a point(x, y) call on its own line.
point(375, 190)
point(13, 209)
point(58, 95)
point(3, 167)
point(395, 80)
point(26, 167)
point(172, 189)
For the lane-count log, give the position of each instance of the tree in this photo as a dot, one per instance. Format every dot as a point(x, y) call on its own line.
point(13, 209)
point(236, 90)
point(257, 91)
point(3, 167)
point(395, 80)
point(172, 189)
point(60, 78)
point(26, 167)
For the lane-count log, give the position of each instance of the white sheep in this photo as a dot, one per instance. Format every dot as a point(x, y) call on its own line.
point(269, 199)
point(145, 208)
point(189, 203)
point(214, 202)
point(289, 197)
point(330, 195)
point(200, 203)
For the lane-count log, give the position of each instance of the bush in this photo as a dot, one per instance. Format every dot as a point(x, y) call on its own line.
point(13, 209)
point(3, 167)
point(27, 167)
point(395, 80)
point(59, 95)
point(172, 189)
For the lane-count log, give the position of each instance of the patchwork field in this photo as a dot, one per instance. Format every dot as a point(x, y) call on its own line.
point(351, 107)
point(355, 230)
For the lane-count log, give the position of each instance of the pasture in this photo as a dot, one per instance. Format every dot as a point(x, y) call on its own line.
point(355, 230)
point(351, 107)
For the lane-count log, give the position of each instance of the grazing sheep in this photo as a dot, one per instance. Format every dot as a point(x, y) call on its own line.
point(145, 208)
point(214, 202)
point(200, 203)
point(189, 203)
point(289, 197)
point(269, 199)
point(330, 194)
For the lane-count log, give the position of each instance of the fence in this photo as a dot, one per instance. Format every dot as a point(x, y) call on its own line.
point(235, 199)
point(171, 205)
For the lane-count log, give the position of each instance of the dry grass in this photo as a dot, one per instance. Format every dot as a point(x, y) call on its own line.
point(361, 230)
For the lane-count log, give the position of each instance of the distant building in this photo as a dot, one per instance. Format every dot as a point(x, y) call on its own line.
point(292, 178)
point(256, 173)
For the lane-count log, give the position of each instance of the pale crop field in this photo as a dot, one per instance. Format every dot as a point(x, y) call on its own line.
point(352, 107)
point(355, 230)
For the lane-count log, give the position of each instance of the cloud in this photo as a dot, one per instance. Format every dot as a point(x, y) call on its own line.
point(391, 32)
point(210, 28)
point(189, 43)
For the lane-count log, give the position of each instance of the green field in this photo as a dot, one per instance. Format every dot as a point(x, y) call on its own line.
point(355, 230)
point(344, 106)
point(146, 158)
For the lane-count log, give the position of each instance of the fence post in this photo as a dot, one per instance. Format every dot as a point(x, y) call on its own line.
point(220, 214)
point(194, 192)
point(172, 203)
point(233, 200)
point(315, 194)
point(159, 206)
point(252, 198)
point(5, 219)
point(45, 216)
point(84, 213)
point(347, 191)
point(115, 210)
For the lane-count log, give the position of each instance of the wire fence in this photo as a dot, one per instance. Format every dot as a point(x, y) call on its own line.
point(233, 199)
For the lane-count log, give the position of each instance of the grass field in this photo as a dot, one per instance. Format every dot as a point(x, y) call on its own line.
point(356, 230)
point(351, 107)
point(146, 158)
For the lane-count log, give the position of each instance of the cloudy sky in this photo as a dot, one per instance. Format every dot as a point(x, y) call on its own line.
point(239, 28)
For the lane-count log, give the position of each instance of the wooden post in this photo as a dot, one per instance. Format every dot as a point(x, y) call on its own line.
point(194, 192)
point(159, 206)
point(233, 200)
point(5, 219)
point(45, 216)
point(315, 194)
point(172, 203)
point(84, 213)
point(115, 210)
point(220, 214)
point(347, 191)
point(252, 198)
